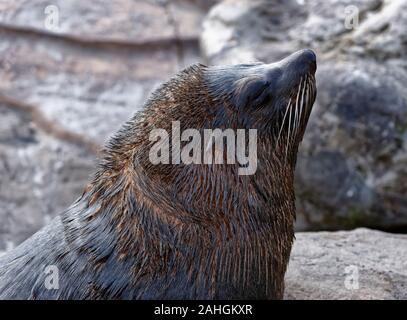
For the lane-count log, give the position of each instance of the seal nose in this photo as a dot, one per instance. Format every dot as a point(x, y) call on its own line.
point(301, 62)
point(307, 57)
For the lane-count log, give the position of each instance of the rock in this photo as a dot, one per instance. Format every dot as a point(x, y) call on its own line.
point(40, 176)
point(352, 167)
point(65, 90)
point(351, 170)
point(122, 21)
point(96, 71)
point(358, 264)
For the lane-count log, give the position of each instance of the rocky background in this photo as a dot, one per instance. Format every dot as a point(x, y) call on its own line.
point(352, 166)
point(73, 71)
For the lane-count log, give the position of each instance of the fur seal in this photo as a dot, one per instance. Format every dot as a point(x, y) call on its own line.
point(178, 231)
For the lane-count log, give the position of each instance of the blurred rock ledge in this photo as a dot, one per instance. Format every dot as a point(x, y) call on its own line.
point(352, 166)
point(358, 264)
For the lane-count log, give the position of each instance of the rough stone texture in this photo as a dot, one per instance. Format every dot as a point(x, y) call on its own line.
point(125, 21)
point(40, 176)
point(63, 91)
point(323, 264)
point(352, 167)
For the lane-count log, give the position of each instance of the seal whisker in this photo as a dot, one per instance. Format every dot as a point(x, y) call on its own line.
point(310, 93)
point(297, 112)
point(297, 102)
point(289, 132)
point(302, 106)
point(282, 123)
point(307, 99)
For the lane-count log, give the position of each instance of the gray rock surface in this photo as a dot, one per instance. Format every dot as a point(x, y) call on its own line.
point(352, 167)
point(64, 90)
point(120, 21)
point(358, 264)
point(40, 176)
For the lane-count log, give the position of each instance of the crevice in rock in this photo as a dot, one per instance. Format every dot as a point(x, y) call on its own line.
point(160, 44)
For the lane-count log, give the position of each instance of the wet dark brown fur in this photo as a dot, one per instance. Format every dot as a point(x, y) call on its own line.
point(144, 231)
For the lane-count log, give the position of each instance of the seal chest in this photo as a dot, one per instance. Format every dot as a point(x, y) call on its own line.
point(175, 212)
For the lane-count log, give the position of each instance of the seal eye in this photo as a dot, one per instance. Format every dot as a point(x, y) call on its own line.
point(250, 92)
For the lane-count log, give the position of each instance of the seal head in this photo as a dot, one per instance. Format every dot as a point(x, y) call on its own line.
point(274, 98)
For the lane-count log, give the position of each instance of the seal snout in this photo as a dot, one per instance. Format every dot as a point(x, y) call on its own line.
point(304, 60)
point(308, 58)
point(301, 62)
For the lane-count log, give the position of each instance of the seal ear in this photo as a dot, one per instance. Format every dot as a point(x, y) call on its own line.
point(250, 92)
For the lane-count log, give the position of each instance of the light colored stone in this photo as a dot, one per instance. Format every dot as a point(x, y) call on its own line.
point(40, 176)
point(125, 21)
point(323, 264)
